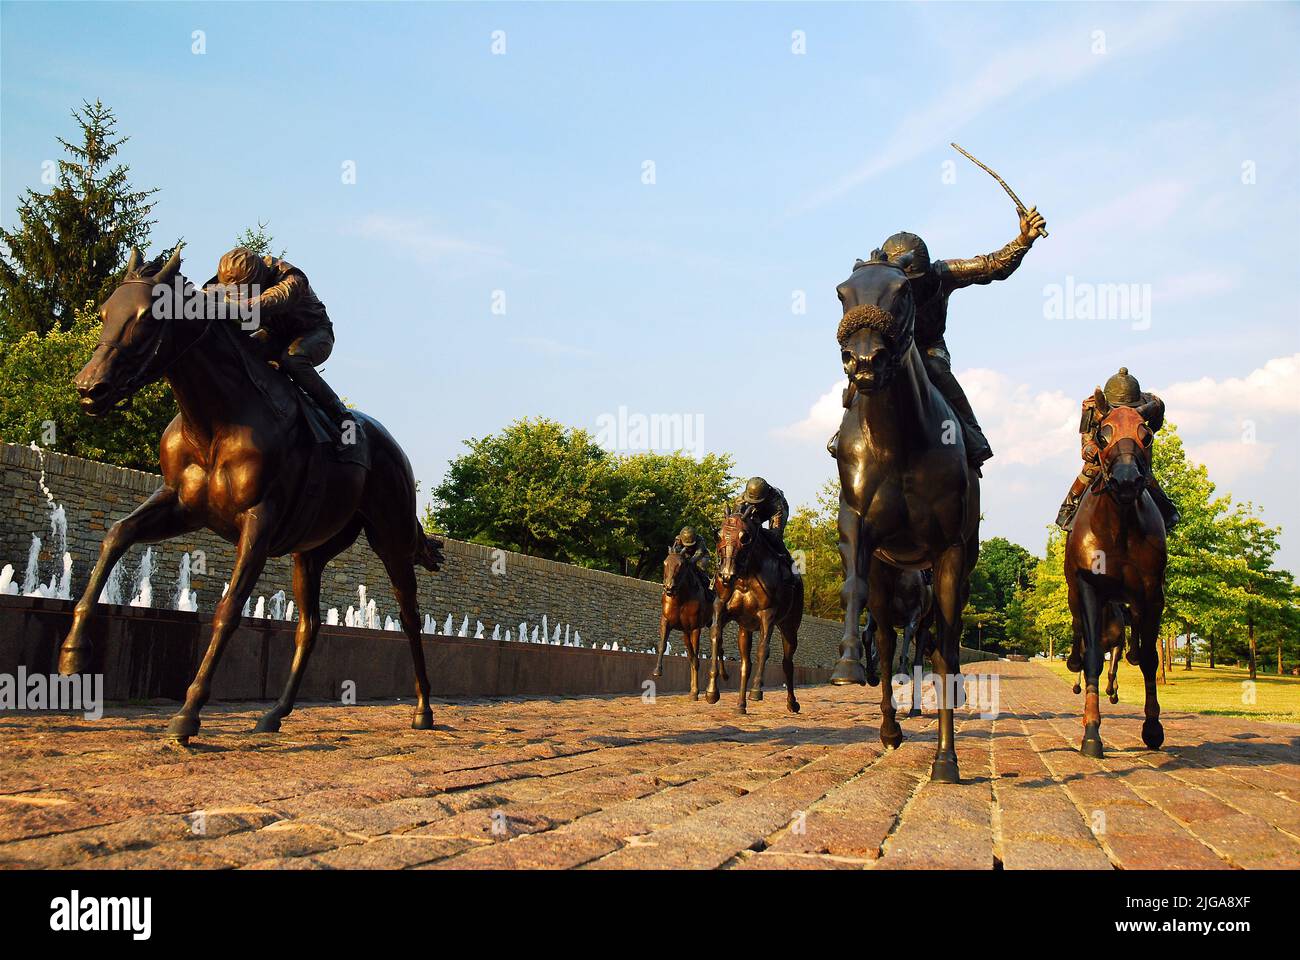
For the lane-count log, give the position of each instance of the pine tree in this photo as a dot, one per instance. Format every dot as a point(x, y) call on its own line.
point(71, 244)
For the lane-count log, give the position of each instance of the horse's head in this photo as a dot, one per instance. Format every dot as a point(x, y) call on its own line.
point(674, 569)
point(876, 330)
point(1124, 444)
point(734, 541)
point(136, 343)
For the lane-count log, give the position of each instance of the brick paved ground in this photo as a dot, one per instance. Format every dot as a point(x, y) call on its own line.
point(608, 783)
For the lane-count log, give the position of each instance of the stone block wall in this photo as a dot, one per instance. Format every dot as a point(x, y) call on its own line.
point(602, 607)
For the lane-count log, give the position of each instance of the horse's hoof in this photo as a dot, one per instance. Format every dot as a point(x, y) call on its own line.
point(270, 723)
point(792, 705)
point(742, 709)
point(423, 721)
point(73, 661)
point(1092, 742)
point(695, 696)
point(891, 736)
point(914, 712)
point(849, 671)
point(873, 680)
point(182, 727)
point(1153, 734)
point(756, 695)
point(1114, 697)
point(1074, 663)
point(712, 696)
point(657, 674)
point(1076, 689)
point(944, 770)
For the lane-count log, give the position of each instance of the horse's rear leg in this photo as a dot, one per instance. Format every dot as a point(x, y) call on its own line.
point(160, 517)
point(1090, 613)
point(401, 571)
point(789, 643)
point(764, 635)
point(250, 558)
point(743, 638)
point(306, 593)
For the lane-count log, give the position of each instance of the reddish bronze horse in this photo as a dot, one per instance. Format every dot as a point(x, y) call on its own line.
point(752, 589)
point(908, 497)
point(687, 607)
point(241, 461)
point(1115, 554)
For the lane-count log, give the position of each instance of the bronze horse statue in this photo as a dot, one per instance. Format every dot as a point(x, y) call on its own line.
point(687, 607)
point(241, 461)
point(1115, 623)
point(752, 590)
point(1115, 554)
point(913, 603)
point(908, 497)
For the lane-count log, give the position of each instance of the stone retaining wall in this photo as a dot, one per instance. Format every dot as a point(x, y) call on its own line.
point(603, 607)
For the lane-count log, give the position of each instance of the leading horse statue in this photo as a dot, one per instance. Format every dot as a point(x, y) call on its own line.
point(752, 589)
point(1115, 559)
point(242, 461)
point(909, 498)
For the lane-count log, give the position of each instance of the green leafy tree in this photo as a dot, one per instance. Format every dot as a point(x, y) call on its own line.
point(547, 490)
point(70, 245)
point(259, 240)
point(1046, 605)
point(813, 537)
point(39, 403)
point(1003, 569)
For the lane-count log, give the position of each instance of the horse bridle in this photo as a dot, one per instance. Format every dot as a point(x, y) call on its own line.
point(1104, 461)
point(145, 374)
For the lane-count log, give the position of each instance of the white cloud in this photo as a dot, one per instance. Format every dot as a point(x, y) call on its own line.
point(823, 416)
point(1206, 403)
point(1024, 426)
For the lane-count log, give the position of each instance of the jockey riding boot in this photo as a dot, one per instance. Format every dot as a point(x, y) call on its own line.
point(1065, 518)
point(1168, 512)
point(304, 374)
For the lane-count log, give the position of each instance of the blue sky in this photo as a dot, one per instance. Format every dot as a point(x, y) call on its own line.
point(1131, 127)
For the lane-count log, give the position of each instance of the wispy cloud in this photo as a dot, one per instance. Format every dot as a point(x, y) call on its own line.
point(418, 240)
point(1034, 66)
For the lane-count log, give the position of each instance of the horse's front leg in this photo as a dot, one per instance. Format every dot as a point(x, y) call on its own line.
point(1090, 610)
point(250, 558)
point(692, 640)
point(766, 620)
point(853, 595)
point(1147, 624)
point(161, 517)
point(664, 630)
point(711, 694)
point(949, 597)
point(743, 637)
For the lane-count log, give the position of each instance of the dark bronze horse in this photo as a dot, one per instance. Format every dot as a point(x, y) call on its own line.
point(908, 497)
point(1115, 554)
point(687, 607)
point(752, 590)
point(238, 460)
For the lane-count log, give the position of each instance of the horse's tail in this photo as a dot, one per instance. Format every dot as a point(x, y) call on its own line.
point(428, 551)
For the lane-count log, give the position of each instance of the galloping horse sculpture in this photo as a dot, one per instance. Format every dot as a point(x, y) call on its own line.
point(752, 590)
point(1115, 553)
point(241, 460)
point(908, 497)
point(688, 607)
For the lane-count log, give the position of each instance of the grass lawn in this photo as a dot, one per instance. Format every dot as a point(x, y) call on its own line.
point(1220, 692)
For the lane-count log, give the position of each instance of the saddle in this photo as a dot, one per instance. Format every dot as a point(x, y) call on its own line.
point(324, 433)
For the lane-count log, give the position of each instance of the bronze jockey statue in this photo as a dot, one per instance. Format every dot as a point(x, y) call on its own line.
point(693, 549)
point(764, 503)
point(294, 330)
point(932, 284)
point(1121, 390)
